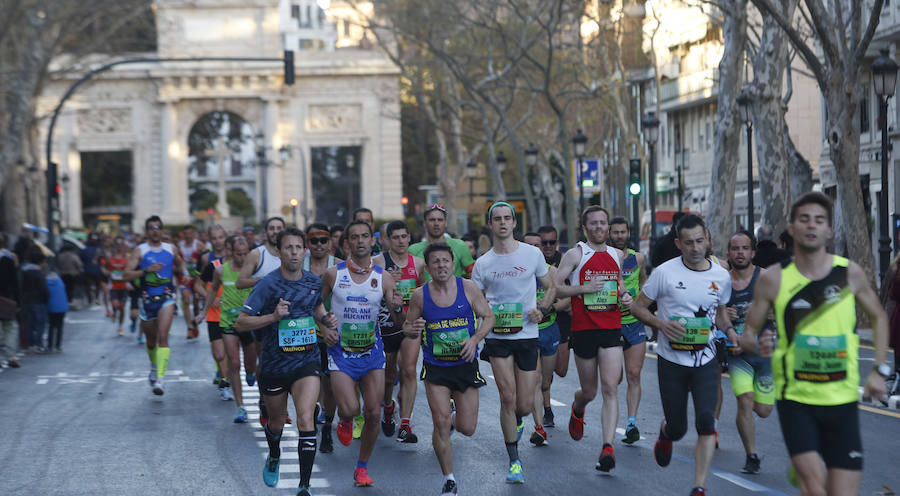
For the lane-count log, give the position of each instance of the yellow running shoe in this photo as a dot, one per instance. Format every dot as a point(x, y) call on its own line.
point(358, 422)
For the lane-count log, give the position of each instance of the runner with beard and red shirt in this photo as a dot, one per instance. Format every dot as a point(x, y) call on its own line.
point(118, 287)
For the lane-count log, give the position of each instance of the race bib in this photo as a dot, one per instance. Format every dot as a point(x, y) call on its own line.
point(296, 334)
point(696, 333)
point(116, 275)
point(820, 359)
point(509, 318)
point(357, 337)
point(447, 345)
point(406, 288)
point(605, 300)
point(233, 312)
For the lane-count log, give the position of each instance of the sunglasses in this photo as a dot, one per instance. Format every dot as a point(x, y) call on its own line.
point(435, 206)
point(153, 228)
point(548, 242)
point(319, 241)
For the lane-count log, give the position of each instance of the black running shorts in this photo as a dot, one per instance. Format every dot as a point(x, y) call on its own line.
point(273, 385)
point(523, 351)
point(213, 330)
point(587, 343)
point(392, 342)
point(456, 378)
point(833, 431)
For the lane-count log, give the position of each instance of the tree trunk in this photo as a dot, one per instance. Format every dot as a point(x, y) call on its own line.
point(768, 121)
point(800, 174)
point(728, 126)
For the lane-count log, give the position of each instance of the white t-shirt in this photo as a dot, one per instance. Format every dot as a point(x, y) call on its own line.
point(510, 288)
point(692, 297)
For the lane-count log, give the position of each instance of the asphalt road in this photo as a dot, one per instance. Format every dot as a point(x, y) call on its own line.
point(85, 422)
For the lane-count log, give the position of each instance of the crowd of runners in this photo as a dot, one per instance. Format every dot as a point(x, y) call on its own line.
point(336, 318)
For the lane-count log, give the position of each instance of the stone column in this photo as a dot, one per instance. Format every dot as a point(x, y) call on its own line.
point(274, 174)
point(173, 167)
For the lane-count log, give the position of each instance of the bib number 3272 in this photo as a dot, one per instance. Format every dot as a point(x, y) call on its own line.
point(297, 334)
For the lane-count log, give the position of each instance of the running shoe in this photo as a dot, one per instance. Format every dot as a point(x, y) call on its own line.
point(576, 426)
point(358, 422)
point(519, 430)
point(270, 471)
point(406, 435)
point(717, 439)
point(388, 424)
point(662, 451)
point(303, 491)
point(251, 379)
point(539, 436)
point(752, 464)
point(120, 332)
point(792, 477)
point(153, 374)
point(632, 434)
point(515, 475)
point(217, 378)
point(449, 488)
point(140, 338)
point(319, 414)
point(241, 417)
point(698, 491)
point(607, 460)
point(287, 419)
point(108, 314)
point(548, 418)
point(227, 394)
point(452, 415)
point(133, 328)
point(158, 388)
point(345, 432)
point(326, 445)
point(361, 478)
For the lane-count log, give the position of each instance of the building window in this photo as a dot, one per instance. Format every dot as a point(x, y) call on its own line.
point(864, 115)
point(708, 140)
point(308, 16)
point(346, 27)
point(295, 12)
point(236, 169)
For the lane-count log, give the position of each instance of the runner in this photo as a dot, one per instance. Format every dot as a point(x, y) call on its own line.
point(444, 309)
point(154, 263)
point(259, 263)
point(816, 361)
point(250, 234)
point(364, 214)
point(209, 262)
point(319, 259)
point(594, 271)
point(751, 376)
point(436, 228)
point(691, 293)
point(407, 272)
point(114, 269)
point(232, 299)
point(355, 350)
point(550, 249)
point(508, 274)
point(336, 231)
point(634, 273)
point(284, 307)
point(548, 346)
point(191, 248)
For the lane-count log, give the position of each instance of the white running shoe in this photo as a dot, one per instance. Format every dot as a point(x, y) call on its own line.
point(158, 387)
point(227, 394)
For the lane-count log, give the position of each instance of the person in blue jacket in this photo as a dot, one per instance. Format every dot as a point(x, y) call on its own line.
point(57, 307)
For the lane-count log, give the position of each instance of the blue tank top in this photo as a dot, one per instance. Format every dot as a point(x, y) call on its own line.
point(157, 283)
point(446, 328)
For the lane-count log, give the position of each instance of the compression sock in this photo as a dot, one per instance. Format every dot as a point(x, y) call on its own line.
point(328, 422)
point(307, 451)
point(151, 352)
point(389, 408)
point(162, 360)
point(518, 419)
point(512, 449)
point(274, 441)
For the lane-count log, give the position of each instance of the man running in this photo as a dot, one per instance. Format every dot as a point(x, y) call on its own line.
point(154, 263)
point(508, 274)
point(751, 376)
point(319, 259)
point(208, 263)
point(355, 349)
point(634, 273)
point(231, 300)
point(191, 248)
point(815, 363)
point(444, 309)
point(593, 270)
point(407, 272)
point(114, 269)
point(284, 307)
point(550, 249)
point(691, 293)
point(365, 215)
point(435, 230)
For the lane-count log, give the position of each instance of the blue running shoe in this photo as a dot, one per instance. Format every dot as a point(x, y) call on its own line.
point(303, 491)
point(519, 430)
point(270, 471)
point(251, 379)
point(515, 475)
point(217, 378)
point(241, 417)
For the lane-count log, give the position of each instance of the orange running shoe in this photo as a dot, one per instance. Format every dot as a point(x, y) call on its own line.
point(360, 476)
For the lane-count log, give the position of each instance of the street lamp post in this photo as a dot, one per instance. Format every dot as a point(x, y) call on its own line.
point(650, 125)
point(579, 141)
point(285, 153)
point(744, 101)
point(294, 202)
point(263, 164)
point(471, 171)
point(884, 78)
point(65, 201)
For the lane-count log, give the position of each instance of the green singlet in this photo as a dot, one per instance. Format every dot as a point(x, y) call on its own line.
point(232, 298)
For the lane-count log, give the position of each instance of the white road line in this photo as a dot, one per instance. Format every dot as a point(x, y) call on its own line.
point(295, 468)
point(293, 483)
point(556, 403)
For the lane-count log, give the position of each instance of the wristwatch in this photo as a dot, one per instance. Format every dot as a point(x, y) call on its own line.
point(883, 369)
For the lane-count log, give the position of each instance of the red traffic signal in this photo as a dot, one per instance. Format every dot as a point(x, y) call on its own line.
point(404, 200)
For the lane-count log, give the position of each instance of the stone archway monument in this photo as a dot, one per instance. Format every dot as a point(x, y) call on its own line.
point(220, 152)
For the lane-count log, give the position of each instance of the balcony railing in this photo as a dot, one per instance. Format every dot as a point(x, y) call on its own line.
point(688, 85)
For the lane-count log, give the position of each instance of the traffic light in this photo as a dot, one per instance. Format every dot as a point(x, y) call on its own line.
point(53, 187)
point(634, 176)
point(289, 67)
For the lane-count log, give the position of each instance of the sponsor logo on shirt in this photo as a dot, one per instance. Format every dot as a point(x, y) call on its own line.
point(374, 283)
point(358, 299)
point(516, 272)
point(680, 285)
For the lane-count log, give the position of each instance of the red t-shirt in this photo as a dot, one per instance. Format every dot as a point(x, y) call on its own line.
point(116, 266)
point(597, 310)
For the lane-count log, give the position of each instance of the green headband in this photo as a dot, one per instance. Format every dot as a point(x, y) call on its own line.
point(500, 204)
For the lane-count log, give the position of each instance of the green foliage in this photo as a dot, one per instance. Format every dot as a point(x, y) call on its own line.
point(239, 203)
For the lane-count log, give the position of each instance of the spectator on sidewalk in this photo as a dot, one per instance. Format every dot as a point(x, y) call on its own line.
point(35, 297)
point(69, 265)
point(56, 311)
point(890, 299)
point(9, 305)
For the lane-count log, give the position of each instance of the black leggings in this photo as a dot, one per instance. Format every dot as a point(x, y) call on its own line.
point(54, 336)
point(675, 381)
